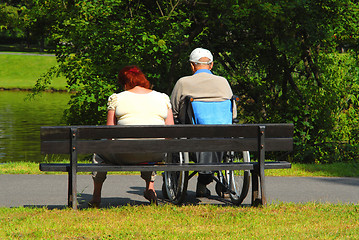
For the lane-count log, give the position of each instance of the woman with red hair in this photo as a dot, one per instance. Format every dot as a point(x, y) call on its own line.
point(137, 105)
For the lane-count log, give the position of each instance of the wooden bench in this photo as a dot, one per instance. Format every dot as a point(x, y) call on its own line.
point(74, 140)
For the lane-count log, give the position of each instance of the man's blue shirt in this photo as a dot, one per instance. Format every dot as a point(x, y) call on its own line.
point(203, 70)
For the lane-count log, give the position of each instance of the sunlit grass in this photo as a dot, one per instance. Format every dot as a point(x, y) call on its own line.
point(33, 168)
point(339, 169)
point(297, 170)
point(276, 221)
point(22, 71)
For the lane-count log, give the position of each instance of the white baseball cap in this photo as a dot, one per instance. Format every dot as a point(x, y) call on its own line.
point(199, 53)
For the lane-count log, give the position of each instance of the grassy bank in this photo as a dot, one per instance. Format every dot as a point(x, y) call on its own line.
point(22, 71)
point(277, 221)
point(297, 170)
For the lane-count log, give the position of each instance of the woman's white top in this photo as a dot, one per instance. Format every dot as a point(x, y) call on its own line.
point(139, 109)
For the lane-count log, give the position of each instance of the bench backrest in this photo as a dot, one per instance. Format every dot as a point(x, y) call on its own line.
point(186, 138)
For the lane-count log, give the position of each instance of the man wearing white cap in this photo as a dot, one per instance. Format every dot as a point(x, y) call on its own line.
point(202, 86)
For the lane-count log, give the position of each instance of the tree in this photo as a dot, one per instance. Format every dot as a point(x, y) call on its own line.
point(8, 15)
point(9, 19)
point(278, 55)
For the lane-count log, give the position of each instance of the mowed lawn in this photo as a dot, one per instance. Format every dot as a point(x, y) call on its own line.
point(22, 70)
point(297, 170)
point(277, 221)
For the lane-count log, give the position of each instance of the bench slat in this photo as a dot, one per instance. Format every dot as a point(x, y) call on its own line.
point(63, 167)
point(168, 145)
point(175, 131)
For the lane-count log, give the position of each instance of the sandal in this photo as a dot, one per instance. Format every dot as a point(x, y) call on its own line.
point(151, 196)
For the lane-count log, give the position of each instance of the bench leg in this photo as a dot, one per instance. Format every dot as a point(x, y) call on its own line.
point(258, 192)
point(72, 190)
point(256, 201)
point(262, 185)
point(258, 179)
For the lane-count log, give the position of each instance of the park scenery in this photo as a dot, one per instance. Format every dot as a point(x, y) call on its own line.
point(287, 61)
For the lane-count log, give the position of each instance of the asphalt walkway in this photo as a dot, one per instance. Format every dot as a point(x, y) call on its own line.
point(120, 190)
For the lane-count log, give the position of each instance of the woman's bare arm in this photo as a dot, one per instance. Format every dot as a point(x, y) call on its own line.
point(111, 118)
point(169, 119)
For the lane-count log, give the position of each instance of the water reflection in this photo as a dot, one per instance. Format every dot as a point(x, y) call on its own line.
point(20, 123)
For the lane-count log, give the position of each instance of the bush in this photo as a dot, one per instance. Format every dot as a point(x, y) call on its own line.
point(280, 56)
point(327, 153)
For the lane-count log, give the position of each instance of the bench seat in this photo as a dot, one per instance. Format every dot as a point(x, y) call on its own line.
point(64, 167)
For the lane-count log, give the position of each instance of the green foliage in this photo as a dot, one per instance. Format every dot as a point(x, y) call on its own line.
point(328, 152)
point(291, 70)
point(8, 16)
point(284, 58)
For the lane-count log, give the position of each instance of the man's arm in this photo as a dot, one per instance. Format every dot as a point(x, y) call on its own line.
point(176, 98)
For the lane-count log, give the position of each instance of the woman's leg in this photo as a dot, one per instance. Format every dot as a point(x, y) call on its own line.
point(130, 158)
point(98, 180)
point(96, 196)
point(149, 177)
point(150, 192)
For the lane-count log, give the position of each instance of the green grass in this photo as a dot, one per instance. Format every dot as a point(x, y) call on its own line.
point(33, 168)
point(22, 71)
point(297, 170)
point(276, 221)
point(318, 170)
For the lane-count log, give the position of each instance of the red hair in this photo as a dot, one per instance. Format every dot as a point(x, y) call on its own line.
point(131, 76)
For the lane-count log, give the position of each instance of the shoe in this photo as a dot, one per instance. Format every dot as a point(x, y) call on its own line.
point(202, 190)
point(151, 196)
point(92, 204)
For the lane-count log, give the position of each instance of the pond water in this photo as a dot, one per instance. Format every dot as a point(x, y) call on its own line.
point(20, 122)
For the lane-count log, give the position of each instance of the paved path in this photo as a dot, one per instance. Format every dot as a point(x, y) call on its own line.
point(119, 190)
